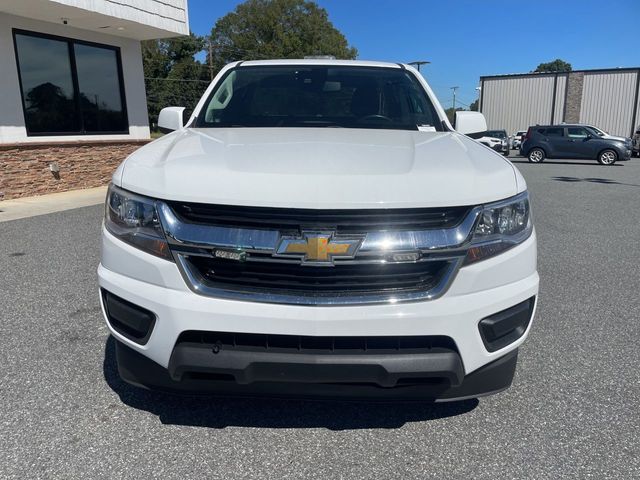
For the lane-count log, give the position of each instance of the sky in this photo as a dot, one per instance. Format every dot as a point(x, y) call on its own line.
point(464, 39)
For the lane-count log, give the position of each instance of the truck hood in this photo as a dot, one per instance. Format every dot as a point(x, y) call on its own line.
point(319, 168)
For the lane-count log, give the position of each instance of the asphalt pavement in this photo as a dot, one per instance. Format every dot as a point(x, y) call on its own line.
point(572, 412)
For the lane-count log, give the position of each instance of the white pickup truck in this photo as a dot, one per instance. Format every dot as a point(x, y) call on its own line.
point(318, 228)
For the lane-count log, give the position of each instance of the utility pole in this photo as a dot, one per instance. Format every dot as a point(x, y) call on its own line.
point(479, 90)
point(454, 98)
point(418, 63)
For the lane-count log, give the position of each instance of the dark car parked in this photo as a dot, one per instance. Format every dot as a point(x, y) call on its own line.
point(573, 141)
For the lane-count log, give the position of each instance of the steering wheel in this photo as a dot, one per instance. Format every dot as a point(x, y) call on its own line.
point(375, 116)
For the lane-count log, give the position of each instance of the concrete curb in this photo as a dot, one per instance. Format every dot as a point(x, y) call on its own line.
point(54, 202)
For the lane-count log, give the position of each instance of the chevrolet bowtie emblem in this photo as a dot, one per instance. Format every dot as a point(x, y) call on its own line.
point(318, 247)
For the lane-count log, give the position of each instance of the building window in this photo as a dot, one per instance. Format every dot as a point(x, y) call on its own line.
point(70, 87)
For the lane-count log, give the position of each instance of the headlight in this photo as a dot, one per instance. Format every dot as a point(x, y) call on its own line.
point(134, 219)
point(500, 226)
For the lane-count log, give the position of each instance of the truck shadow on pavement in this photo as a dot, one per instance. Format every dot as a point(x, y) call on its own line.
point(217, 412)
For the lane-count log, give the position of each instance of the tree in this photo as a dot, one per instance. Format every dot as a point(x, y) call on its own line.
point(172, 75)
point(557, 65)
point(451, 113)
point(259, 29)
point(474, 106)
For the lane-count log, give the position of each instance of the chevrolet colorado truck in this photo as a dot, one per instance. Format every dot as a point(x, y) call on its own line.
point(318, 228)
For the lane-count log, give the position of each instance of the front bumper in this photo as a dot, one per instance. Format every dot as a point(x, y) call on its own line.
point(478, 291)
point(500, 148)
point(139, 370)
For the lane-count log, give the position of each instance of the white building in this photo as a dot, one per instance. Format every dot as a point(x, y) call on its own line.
point(71, 76)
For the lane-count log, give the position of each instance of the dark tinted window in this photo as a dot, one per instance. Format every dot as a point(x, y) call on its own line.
point(70, 87)
point(554, 132)
point(99, 85)
point(318, 96)
point(47, 85)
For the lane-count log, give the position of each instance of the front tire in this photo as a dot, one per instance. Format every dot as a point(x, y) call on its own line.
point(607, 157)
point(536, 155)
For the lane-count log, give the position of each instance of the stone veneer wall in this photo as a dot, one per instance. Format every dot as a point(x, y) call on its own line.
point(573, 102)
point(24, 168)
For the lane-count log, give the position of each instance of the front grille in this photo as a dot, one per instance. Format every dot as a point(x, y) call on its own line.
point(234, 252)
point(341, 279)
point(299, 344)
point(344, 221)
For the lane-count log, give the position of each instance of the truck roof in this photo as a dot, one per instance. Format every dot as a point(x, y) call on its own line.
point(321, 61)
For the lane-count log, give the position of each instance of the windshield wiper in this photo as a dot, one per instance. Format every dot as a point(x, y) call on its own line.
point(319, 123)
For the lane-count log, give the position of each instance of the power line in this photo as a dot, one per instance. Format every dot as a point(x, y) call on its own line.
point(458, 102)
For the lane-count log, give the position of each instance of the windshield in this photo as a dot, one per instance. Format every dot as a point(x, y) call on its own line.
point(496, 133)
point(318, 96)
point(598, 131)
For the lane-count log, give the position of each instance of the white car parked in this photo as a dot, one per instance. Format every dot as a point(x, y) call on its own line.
point(494, 139)
point(516, 139)
point(318, 228)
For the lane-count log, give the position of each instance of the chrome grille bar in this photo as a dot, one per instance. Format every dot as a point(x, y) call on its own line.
point(189, 240)
point(375, 243)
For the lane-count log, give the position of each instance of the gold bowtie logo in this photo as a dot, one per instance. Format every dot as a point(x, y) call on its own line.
point(318, 247)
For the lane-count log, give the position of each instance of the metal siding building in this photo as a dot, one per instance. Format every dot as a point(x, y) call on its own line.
point(608, 99)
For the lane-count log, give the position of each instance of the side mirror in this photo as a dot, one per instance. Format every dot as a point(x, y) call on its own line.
point(170, 119)
point(470, 122)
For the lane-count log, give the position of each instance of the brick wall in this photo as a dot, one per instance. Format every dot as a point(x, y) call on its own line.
point(574, 98)
point(24, 168)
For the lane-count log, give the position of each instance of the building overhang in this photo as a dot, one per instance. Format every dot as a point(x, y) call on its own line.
point(139, 19)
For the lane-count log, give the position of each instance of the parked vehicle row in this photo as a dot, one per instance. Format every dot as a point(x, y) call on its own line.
point(574, 141)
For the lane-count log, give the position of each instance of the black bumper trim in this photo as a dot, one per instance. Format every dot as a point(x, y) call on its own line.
point(129, 320)
point(139, 370)
point(505, 327)
point(249, 367)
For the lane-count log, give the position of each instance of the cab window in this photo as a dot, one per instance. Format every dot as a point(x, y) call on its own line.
point(554, 132)
point(576, 132)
